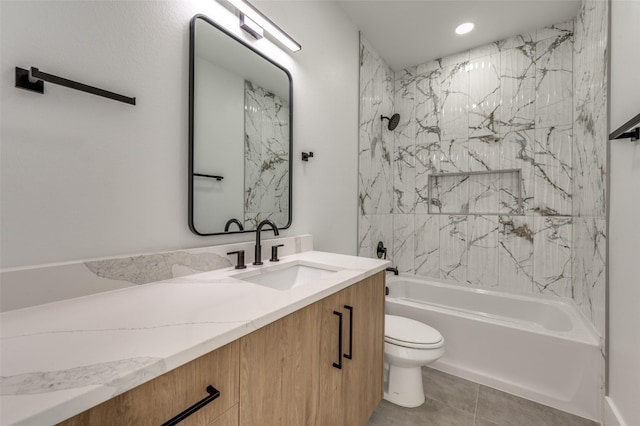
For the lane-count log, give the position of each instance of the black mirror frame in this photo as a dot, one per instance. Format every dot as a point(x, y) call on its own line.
point(192, 34)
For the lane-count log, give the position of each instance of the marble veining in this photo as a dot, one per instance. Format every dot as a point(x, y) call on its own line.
point(375, 171)
point(155, 267)
point(454, 89)
point(517, 83)
point(50, 283)
point(484, 99)
point(515, 253)
point(552, 260)
point(404, 103)
point(554, 80)
point(517, 152)
point(482, 266)
point(454, 247)
point(590, 159)
point(427, 245)
point(404, 187)
point(373, 229)
point(60, 359)
point(428, 103)
point(535, 102)
point(112, 373)
point(589, 268)
point(590, 108)
point(403, 243)
point(553, 171)
point(266, 182)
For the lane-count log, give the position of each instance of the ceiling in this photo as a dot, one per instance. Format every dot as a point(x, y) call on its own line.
point(407, 33)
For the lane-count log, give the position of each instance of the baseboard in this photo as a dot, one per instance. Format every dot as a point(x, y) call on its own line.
point(611, 415)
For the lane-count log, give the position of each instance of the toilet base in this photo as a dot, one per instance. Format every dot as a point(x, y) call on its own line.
point(404, 386)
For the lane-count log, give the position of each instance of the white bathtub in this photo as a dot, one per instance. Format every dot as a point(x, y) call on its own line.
point(539, 348)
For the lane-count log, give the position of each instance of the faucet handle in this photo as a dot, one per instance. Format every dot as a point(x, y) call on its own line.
point(274, 253)
point(240, 264)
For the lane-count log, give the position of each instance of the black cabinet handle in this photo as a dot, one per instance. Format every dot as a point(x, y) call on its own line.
point(213, 394)
point(339, 364)
point(350, 308)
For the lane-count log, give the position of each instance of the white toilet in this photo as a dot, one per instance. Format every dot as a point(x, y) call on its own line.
point(408, 345)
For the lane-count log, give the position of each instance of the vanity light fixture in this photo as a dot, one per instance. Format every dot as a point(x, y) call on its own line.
point(464, 28)
point(250, 26)
point(248, 11)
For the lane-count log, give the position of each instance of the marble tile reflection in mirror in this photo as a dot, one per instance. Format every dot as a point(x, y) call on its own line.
point(240, 131)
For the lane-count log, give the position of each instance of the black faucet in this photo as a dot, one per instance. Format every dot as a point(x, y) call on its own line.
point(258, 252)
point(394, 270)
point(232, 221)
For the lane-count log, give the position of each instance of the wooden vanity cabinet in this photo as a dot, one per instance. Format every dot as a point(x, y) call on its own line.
point(348, 395)
point(157, 401)
point(287, 372)
point(279, 371)
point(282, 374)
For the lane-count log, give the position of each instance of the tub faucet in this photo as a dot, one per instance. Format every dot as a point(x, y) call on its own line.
point(393, 269)
point(258, 251)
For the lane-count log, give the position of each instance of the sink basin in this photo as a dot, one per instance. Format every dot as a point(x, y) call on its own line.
point(287, 277)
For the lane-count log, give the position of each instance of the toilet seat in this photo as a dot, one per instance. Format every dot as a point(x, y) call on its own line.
point(409, 333)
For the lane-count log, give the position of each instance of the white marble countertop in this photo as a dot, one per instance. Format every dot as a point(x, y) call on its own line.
point(62, 358)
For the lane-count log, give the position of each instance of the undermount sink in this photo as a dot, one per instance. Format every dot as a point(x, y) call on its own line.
point(286, 277)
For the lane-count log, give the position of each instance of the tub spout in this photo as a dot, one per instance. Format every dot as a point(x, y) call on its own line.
point(394, 270)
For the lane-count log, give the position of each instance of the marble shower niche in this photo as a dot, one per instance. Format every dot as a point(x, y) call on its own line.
point(533, 105)
point(485, 192)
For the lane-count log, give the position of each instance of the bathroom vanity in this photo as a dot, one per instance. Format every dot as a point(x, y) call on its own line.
point(142, 355)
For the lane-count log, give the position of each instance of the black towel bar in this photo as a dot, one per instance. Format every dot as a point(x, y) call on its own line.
point(209, 176)
point(22, 82)
point(621, 132)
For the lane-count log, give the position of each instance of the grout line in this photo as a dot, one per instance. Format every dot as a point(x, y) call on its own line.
point(475, 410)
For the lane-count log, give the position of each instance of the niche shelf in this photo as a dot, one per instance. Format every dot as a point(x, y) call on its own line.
point(492, 192)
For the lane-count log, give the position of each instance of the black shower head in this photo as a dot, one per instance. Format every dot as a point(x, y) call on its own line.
point(393, 121)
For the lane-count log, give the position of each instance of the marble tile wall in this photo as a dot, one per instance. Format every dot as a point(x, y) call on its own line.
point(376, 153)
point(534, 102)
point(590, 159)
point(266, 157)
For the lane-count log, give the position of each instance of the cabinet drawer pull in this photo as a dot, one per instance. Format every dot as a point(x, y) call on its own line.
point(339, 364)
point(350, 354)
point(213, 394)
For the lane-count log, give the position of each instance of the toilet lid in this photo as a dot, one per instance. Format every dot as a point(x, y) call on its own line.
point(410, 333)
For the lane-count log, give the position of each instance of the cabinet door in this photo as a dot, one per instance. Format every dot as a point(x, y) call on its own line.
point(161, 399)
point(349, 395)
point(279, 371)
point(363, 373)
point(332, 363)
point(229, 418)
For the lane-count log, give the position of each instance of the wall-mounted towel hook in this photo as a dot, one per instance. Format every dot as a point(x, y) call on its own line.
point(23, 82)
point(307, 155)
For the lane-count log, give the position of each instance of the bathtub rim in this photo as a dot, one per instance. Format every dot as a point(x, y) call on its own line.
point(589, 334)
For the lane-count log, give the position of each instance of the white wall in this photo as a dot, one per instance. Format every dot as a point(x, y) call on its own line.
point(219, 110)
point(325, 102)
point(83, 176)
point(624, 230)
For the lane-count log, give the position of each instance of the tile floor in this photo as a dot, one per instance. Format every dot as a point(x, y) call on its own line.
point(452, 401)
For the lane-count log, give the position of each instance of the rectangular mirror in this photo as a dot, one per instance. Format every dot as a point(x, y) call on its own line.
point(240, 135)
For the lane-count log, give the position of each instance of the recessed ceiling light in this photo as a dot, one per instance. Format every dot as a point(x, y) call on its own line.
point(464, 28)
